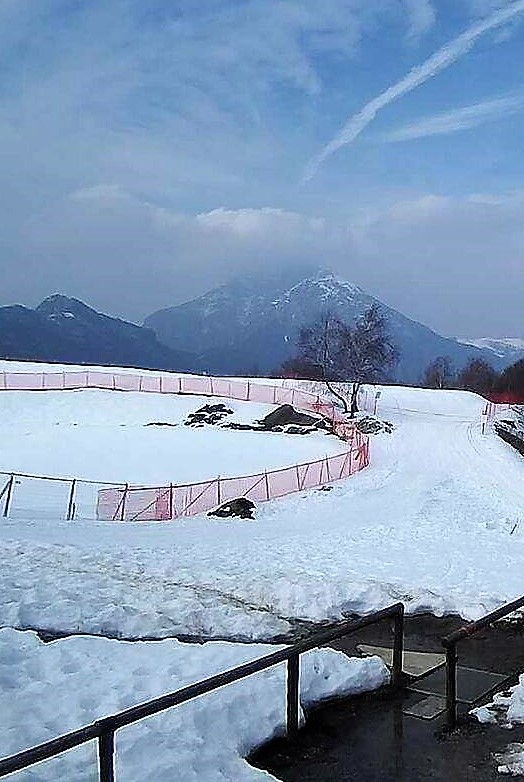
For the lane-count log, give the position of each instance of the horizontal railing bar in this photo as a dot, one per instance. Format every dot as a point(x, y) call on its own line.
point(135, 713)
point(60, 479)
point(473, 627)
point(48, 750)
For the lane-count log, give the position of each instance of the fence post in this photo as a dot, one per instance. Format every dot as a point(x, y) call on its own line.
point(398, 647)
point(9, 489)
point(451, 685)
point(171, 500)
point(71, 503)
point(219, 492)
point(106, 755)
point(292, 681)
point(266, 479)
point(124, 498)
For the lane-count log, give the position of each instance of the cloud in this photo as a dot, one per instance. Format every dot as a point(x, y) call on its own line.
point(454, 263)
point(437, 62)
point(463, 118)
point(421, 18)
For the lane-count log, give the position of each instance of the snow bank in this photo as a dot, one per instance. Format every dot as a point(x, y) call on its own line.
point(49, 689)
point(507, 710)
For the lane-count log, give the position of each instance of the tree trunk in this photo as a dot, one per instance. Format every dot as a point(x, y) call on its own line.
point(355, 388)
point(337, 395)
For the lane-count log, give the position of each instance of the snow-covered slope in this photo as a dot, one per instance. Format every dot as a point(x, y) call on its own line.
point(434, 522)
point(425, 523)
point(252, 327)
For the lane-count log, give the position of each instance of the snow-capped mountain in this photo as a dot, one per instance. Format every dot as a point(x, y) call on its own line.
point(253, 326)
point(509, 349)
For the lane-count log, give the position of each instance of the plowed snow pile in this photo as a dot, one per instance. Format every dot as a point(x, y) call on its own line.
point(50, 689)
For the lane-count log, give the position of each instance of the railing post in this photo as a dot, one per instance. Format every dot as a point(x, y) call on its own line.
point(398, 647)
point(451, 685)
point(292, 681)
point(106, 756)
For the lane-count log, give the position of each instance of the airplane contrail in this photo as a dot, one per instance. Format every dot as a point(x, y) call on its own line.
point(438, 61)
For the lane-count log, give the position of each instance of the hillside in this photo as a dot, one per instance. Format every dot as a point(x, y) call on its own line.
point(253, 327)
point(66, 330)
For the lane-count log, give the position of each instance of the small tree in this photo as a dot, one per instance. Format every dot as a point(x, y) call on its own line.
point(477, 376)
point(439, 373)
point(338, 352)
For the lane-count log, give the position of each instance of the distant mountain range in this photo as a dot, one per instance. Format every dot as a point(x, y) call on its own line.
point(507, 350)
point(65, 330)
point(248, 327)
point(253, 327)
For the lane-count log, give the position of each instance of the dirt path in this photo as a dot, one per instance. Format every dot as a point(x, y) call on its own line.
point(369, 739)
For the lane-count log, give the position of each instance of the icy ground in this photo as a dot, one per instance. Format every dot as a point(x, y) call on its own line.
point(49, 689)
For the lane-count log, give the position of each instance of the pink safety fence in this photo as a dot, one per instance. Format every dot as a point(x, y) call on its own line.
point(168, 502)
point(490, 412)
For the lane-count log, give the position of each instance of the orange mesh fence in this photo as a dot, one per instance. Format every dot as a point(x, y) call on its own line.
point(127, 503)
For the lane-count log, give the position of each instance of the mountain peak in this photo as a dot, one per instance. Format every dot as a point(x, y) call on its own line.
point(58, 305)
point(325, 288)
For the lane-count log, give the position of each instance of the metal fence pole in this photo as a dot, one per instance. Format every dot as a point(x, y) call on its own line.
point(106, 756)
point(451, 685)
point(398, 648)
point(9, 495)
point(71, 502)
point(292, 681)
point(124, 498)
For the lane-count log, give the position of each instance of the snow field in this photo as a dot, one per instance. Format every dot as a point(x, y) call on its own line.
point(104, 436)
point(425, 524)
point(50, 689)
point(436, 522)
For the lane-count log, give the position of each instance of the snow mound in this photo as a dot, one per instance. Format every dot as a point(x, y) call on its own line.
point(51, 689)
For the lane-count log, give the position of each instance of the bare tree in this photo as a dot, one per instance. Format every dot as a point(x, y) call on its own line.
point(439, 373)
point(367, 351)
point(339, 352)
point(477, 376)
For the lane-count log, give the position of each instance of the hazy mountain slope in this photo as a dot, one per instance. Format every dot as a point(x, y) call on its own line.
point(243, 328)
point(66, 330)
point(507, 350)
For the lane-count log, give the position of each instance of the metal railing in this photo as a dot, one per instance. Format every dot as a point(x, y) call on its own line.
point(450, 643)
point(103, 730)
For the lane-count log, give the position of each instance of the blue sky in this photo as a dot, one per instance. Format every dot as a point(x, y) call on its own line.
point(152, 150)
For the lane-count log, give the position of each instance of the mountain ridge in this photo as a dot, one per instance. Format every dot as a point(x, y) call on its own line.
point(63, 329)
point(234, 331)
